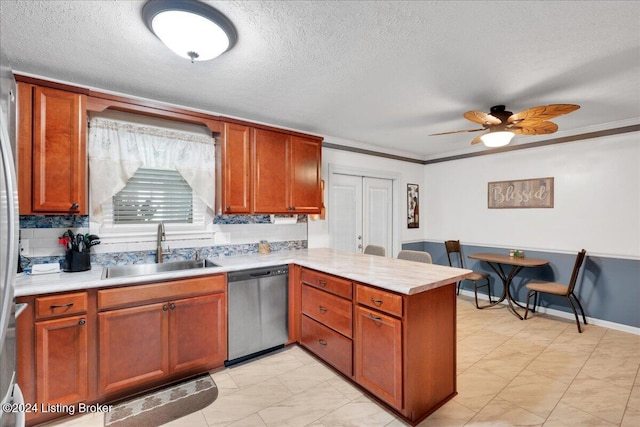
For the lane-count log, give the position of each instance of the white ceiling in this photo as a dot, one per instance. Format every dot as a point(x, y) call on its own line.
point(381, 73)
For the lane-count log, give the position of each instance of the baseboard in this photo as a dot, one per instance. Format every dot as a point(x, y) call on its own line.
point(566, 315)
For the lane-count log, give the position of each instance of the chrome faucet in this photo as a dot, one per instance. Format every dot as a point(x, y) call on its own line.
point(161, 238)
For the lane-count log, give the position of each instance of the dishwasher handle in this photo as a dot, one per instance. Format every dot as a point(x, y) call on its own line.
point(261, 274)
point(257, 273)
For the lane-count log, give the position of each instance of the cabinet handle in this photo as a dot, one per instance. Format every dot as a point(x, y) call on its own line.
point(172, 306)
point(377, 302)
point(322, 283)
point(227, 208)
point(165, 307)
point(82, 322)
point(322, 342)
point(322, 309)
point(54, 306)
point(75, 207)
point(376, 318)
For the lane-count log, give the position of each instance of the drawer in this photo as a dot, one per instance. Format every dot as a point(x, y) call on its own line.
point(328, 309)
point(379, 299)
point(164, 291)
point(61, 305)
point(327, 282)
point(329, 345)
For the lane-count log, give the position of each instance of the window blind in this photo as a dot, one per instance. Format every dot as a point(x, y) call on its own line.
point(154, 195)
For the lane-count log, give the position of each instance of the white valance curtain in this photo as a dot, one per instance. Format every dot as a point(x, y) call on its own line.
point(117, 149)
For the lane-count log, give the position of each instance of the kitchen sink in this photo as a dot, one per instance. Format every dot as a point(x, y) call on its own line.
point(144, 269)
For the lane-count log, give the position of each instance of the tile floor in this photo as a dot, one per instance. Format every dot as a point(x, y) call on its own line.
point(538, 372)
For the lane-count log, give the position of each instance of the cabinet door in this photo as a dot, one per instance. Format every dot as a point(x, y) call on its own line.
point(271, 172)
point(133, 346)
point(378, 355)
point(61, 360)
point(306, 196)
point(197, 332)
point(236, 170)
point(59, 152)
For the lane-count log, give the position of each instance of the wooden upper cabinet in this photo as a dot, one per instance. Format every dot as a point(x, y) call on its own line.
point(233, 170)
point(271, 166)
point(286, 173)
point(306, 192)
point(52, 151)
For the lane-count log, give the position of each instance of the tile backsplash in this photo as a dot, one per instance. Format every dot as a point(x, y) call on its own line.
point(232, 235)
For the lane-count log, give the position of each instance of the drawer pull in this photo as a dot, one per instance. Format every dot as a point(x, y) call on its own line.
point(54, 306)
point(322, 342)
point(322, 283)
point(377, 302)
point(82, 322)
point(376, 318)
point(322, 309)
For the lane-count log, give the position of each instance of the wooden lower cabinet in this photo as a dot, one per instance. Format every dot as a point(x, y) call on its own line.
point(142, 344)
point(329, 345)
point(191, 341)
point(61, 360)
point(326, 326)
point(378, 354)
point(103, 345)
point(133, 346)
point(403, 347)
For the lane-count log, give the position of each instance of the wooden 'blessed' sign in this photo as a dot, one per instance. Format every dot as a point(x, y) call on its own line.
point(521, 193)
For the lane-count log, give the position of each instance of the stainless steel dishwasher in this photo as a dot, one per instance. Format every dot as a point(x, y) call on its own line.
point(257, 312)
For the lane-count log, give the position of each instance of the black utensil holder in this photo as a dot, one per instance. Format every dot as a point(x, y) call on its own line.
point(76, 261)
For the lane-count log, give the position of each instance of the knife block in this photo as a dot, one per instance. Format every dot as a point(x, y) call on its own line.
point(76, 261)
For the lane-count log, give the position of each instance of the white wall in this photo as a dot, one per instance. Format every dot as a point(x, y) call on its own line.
point(597, 198)
point(412, 173)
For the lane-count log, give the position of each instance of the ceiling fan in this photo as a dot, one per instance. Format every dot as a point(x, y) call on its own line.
point(503, 125)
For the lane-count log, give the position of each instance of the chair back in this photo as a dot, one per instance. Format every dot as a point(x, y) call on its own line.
point(453, 248)
point(576, 270)
point(374, 250)
point(419, 256)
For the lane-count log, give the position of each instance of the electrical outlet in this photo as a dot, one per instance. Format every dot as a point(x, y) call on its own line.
point(24, 247)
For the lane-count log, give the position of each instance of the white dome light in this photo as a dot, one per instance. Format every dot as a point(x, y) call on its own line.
point(193, 30)
point(497, 139)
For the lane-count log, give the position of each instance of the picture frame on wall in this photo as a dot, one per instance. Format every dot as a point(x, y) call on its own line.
point(413, 206)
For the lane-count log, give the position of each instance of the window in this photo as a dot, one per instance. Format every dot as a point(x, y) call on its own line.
point(154, 195)
point(145, 171)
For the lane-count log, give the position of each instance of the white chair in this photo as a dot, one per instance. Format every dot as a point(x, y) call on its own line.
point(374, 250)
point(418, 256)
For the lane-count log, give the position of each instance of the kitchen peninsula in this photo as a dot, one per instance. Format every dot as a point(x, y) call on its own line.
point(388, 325)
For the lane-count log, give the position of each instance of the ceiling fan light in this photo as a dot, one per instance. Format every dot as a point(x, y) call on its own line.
point(191, 29)
point(497, 139)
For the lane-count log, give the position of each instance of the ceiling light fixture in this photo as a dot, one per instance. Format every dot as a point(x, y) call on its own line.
point(192, 29)
point(497, 139)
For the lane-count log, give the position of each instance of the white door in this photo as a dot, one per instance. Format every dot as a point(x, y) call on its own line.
point(345, 212)
point(361, 212)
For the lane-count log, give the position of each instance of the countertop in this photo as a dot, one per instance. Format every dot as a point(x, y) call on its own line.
point(405, 277)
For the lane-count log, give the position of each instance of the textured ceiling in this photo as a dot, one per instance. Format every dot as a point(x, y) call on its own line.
point(381, 73)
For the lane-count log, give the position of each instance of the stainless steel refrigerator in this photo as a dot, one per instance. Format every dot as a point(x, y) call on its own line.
point(12, 400)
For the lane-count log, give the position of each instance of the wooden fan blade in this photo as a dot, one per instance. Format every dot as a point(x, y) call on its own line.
point(482, 118)
point(534, 128)
point(544, 112)
point(477, 140)
point(456, 131)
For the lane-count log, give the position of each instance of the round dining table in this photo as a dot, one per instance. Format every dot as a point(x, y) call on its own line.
point(497, 263)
